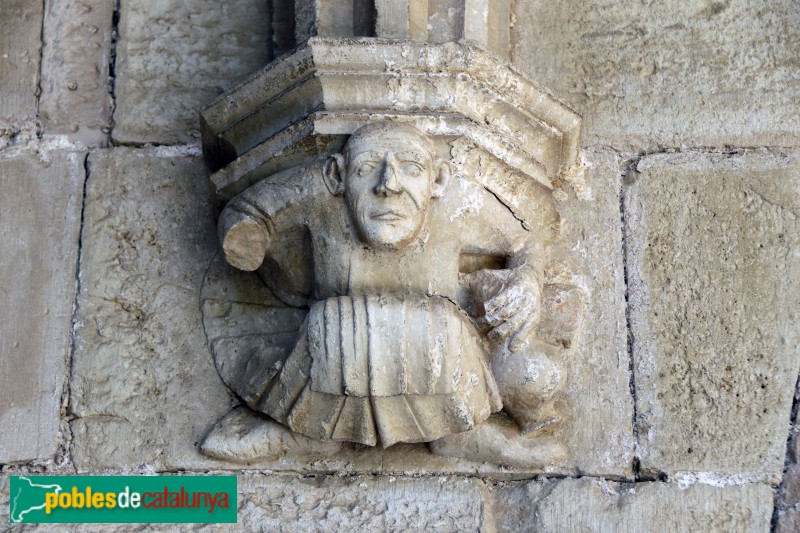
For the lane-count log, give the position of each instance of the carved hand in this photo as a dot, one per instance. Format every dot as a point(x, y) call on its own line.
point(511, 299)
point(244, 239)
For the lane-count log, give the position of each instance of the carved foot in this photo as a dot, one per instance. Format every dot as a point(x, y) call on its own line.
point(543, 420)
point(242, 436)
point(498, 440)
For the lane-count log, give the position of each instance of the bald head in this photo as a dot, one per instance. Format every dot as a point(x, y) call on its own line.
point(399, 133)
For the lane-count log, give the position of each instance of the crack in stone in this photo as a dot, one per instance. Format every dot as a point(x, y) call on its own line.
point(112, 70)
point(38, 90)
point(510, 209)
point(628, 172)
point(65, 447)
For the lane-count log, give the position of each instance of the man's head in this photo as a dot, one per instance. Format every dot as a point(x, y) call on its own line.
point(388, 175)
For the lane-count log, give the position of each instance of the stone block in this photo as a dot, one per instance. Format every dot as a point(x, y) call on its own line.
point(75, 65)
point(714, 278)
point(283, 21)
point(41, 210)
point(595, 505)
point(175, 57)
point(668, 74)
point(143, 384)
point(600, 431)
point(445, 20)
point(20, 49)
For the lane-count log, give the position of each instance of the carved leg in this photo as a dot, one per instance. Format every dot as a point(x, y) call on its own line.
point(498, 440)
point(243, 436)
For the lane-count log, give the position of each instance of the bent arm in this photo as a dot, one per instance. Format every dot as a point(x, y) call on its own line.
point(512, 297)
point(251, 223)
point(509, 297)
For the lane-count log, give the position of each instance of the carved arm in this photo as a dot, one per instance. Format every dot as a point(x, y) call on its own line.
point(243, 235)
point(512, 296)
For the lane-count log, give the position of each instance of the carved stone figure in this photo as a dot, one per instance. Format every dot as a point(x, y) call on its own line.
point(424, 296)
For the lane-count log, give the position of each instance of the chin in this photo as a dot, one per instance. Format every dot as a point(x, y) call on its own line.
point(388, 238)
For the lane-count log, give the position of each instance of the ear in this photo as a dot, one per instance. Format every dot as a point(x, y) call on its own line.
point(444, 171)
point(333, 174)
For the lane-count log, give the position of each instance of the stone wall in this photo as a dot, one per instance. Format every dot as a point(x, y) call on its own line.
point(688, 218)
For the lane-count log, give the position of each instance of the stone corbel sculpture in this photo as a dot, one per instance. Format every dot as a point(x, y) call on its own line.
point(408, 244)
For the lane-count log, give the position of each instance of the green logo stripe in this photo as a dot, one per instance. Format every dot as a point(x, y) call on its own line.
point(122, 499)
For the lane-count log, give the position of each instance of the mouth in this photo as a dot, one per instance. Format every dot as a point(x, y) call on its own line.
point(387, 216)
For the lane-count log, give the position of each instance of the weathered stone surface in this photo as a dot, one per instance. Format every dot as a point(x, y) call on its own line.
point(790, 488)
point(20, 48)
point(714, 274)
point(41, 211)
point(446, 20)
point(387, 504)
point(654, 74)
point(143, 384)
point(283, 22)
point(591, 505)
point(173, 59)
point(243, 434)
point(75, 87)
point(597, 391)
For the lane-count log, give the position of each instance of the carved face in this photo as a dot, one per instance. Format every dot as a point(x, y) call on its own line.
point(389, 176)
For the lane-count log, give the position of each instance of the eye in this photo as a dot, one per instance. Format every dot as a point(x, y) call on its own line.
point(412, 169)
point(364, 169)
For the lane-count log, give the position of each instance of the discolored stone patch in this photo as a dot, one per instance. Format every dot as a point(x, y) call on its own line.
point(41, 213)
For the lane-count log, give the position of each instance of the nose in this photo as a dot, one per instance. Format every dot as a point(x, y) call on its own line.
point(389, 183)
